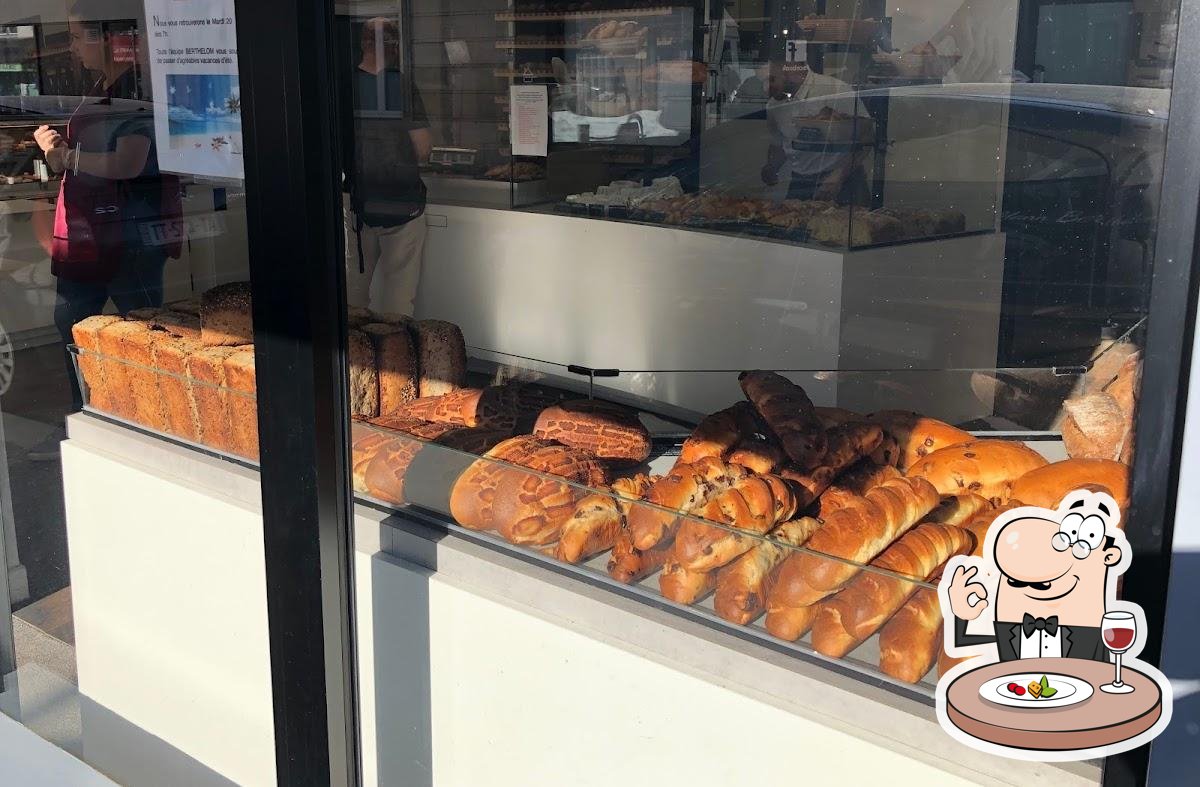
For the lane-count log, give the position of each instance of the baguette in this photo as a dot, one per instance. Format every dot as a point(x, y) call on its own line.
point(917, 436)
point(743, 585)
point(856, 613)
point(755, 504)
point(910, 642)
point(789, 416)
point(987, 468)
point(598, 520)
point(92, 362)
point(682, 586)
point(852, 534)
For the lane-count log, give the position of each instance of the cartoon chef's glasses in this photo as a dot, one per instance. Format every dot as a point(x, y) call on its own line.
point(1080, 534)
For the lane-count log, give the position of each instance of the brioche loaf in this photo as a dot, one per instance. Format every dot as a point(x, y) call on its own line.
point(847, 444)
point(987, 468)
point(1046, 486)
point(170, 355)
point(957, 509)
point(851, 485)
point(396, 362)
point(682, 586)
point(225, 319)
point(757, 454)
point(605, 430)
point(598, 519)
point(743, 585)
point(856, 613)
point(441, 357)
point(628, 564)
point(789, 416)
point(917, 436)
point(715, 436)
point(679, 491)
point(855, 534)
point(910, 642)
point(755, 505)
point(93, 364)
point(243, 403)
point(210, 396)
point(788, 623)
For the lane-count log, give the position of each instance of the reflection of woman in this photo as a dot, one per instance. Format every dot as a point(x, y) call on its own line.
point(111, 184)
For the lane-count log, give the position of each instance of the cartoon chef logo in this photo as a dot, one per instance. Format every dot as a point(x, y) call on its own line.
point(1038, 614)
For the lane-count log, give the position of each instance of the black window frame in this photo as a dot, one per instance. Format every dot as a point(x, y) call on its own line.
point(286, 52)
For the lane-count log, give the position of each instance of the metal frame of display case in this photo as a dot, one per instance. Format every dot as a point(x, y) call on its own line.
point(297, 272)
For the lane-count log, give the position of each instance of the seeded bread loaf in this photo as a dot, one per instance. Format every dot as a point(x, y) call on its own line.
point(170, 355)
point(441, 357)
point(604, 430)
point(364, 377)
point(92, 363)
point(243, 403)
point(210, 396)
point(178, 324)
point(119, 365)
point(225, 319)
point(396, 361)
point(187, 306)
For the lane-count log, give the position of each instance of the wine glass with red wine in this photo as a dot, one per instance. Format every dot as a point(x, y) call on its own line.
point(1119, 630)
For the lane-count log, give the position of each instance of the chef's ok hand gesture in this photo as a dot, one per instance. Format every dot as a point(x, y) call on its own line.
point(961, 590)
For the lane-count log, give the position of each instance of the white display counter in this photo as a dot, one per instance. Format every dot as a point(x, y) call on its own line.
point(475, 667)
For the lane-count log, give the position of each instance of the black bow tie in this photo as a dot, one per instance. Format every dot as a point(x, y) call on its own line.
point(1030, 624)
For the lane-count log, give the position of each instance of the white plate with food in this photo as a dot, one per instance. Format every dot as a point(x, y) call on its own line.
point(1036, 690)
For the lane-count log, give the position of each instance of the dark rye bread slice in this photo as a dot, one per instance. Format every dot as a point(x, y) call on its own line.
point(170, 355)
point(225, 319)
point(92, 363)
point(210, 396)
point(441, 356)
point(243, 403)
point(396, 362)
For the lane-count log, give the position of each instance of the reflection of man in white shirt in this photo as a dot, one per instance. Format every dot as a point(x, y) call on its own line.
point(826, 172)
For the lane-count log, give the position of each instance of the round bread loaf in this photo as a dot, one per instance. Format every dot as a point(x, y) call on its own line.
point(987, 468)
point(915, 436)
point(1047, 486)
point(604, 430)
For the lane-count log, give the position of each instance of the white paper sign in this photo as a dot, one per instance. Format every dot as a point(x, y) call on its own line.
point(797, 51)
point(194, 75)
point(529, 109)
